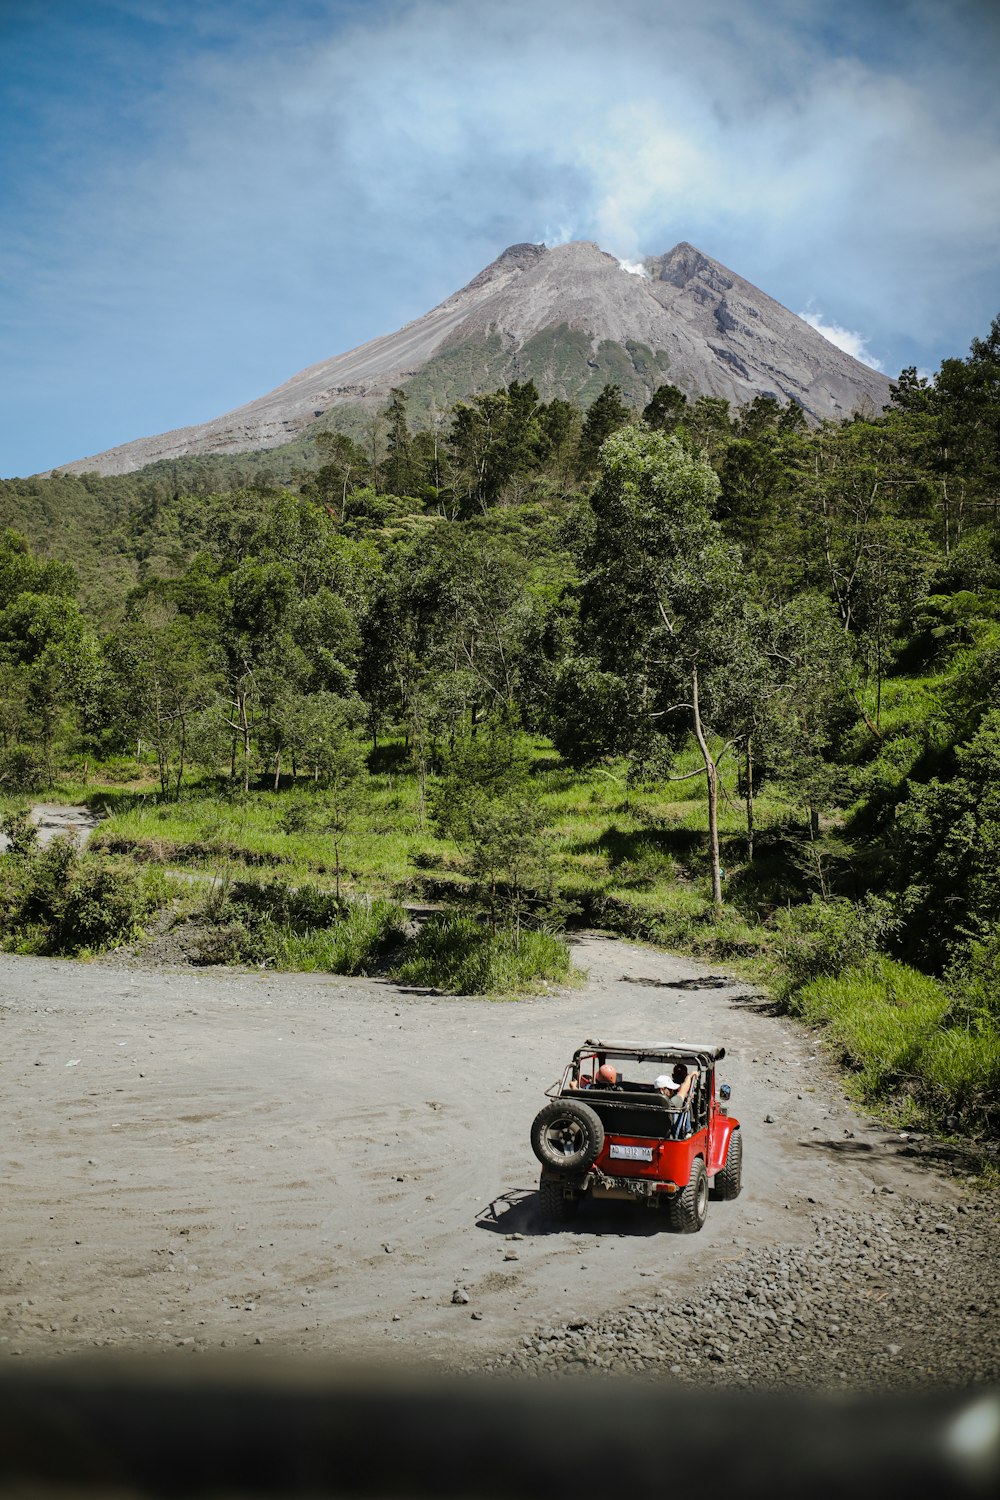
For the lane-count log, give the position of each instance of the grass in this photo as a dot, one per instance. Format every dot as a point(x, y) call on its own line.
point(630, 859)
point(303, 929)
point(458, 954)
point(889, 1022)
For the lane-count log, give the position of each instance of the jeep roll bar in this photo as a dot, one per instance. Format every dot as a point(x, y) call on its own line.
point(664, 1052)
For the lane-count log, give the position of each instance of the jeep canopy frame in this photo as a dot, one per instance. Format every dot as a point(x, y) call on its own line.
point(699, 1056)
point(658, 1052)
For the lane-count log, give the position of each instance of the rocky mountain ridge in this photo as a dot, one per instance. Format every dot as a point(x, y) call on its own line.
point(572, 318)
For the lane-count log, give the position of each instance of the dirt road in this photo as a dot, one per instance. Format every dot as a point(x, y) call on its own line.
point(284, 1163)
point(59, 820)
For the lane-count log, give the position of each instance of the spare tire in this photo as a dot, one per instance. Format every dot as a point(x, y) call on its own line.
point(567, 1136)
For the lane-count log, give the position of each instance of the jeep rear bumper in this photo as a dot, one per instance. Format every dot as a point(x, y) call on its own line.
point(603, 1185)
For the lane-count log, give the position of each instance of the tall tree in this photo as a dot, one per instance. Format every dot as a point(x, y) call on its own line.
point(397, 471)
point(663, 599)
point(606, 415)
point(665, 409)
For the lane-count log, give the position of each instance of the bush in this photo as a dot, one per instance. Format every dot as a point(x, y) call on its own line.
point(973, 985)
point(458, 954)
point(946, 852)
point(477, 775)
point(304, 928)
point(22, 769)
point(300, 907)
point(829, 937)
point(105, 905)
point(19, 830)
point(55, 900)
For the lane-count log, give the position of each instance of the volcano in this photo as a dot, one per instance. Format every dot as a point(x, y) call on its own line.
point(571, 318)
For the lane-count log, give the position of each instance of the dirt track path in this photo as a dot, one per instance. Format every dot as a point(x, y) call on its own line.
point(288, 1163)
point(59, 820)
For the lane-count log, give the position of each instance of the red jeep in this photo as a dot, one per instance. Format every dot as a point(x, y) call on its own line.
point(629, 1139)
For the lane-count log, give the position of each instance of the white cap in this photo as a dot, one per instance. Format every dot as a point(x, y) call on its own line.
point(663, 1082)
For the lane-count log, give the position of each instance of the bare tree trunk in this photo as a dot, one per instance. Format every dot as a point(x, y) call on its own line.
point(162, 752)
point(181, 759)
point(244, 722)
point(947, 515)
point(277, 770)
point(750, 827)
point(712, 780)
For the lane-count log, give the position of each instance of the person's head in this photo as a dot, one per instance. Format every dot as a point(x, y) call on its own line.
point(663, 1084)
point(680, 1072)
point(607, 1075)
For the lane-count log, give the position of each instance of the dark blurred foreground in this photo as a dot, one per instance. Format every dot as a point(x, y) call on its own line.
point(143, 1429)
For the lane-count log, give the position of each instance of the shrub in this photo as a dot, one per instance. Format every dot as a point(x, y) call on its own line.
point(946, 851)
point(302, 928)
point(973, 985)
point(20, 831)
point(457, 954)
point(105, 905)
point(21, 769)
point(829, 937)
point(55, 900)
point(477, 774)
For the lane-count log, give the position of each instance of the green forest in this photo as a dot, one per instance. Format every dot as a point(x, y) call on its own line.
point(712, 678)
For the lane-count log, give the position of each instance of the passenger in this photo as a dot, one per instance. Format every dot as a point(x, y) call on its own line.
point(606, 1077)
point(676, 1088)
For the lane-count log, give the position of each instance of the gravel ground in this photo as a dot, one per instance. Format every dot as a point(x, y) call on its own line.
point(891, 1298)
point(298, 1166)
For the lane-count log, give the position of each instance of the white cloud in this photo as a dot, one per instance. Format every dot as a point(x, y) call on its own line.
point(855, 344)
point(634, 268)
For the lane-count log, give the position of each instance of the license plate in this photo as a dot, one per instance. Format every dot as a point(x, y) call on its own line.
point(631, 1153)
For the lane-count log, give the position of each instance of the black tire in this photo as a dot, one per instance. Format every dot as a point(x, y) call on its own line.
point(553, 1201)
point(689, 1209)
point(567, 1136)
point(729, 1182)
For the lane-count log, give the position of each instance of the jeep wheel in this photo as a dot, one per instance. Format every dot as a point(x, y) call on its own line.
point(553, 1201)
point(689, 1209)
point(567, 1136)
point(729, 1182)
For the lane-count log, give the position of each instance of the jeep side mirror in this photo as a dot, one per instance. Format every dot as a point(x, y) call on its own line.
point(725, 1092)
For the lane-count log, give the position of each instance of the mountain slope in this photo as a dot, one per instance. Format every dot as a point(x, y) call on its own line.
point(572, 318)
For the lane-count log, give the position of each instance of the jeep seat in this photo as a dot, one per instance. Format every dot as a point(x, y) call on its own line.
point(622, 1113)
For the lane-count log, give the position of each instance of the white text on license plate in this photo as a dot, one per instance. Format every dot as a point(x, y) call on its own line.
point(631, 1153)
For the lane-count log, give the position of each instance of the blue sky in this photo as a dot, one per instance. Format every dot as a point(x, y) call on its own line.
point(201, 197)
